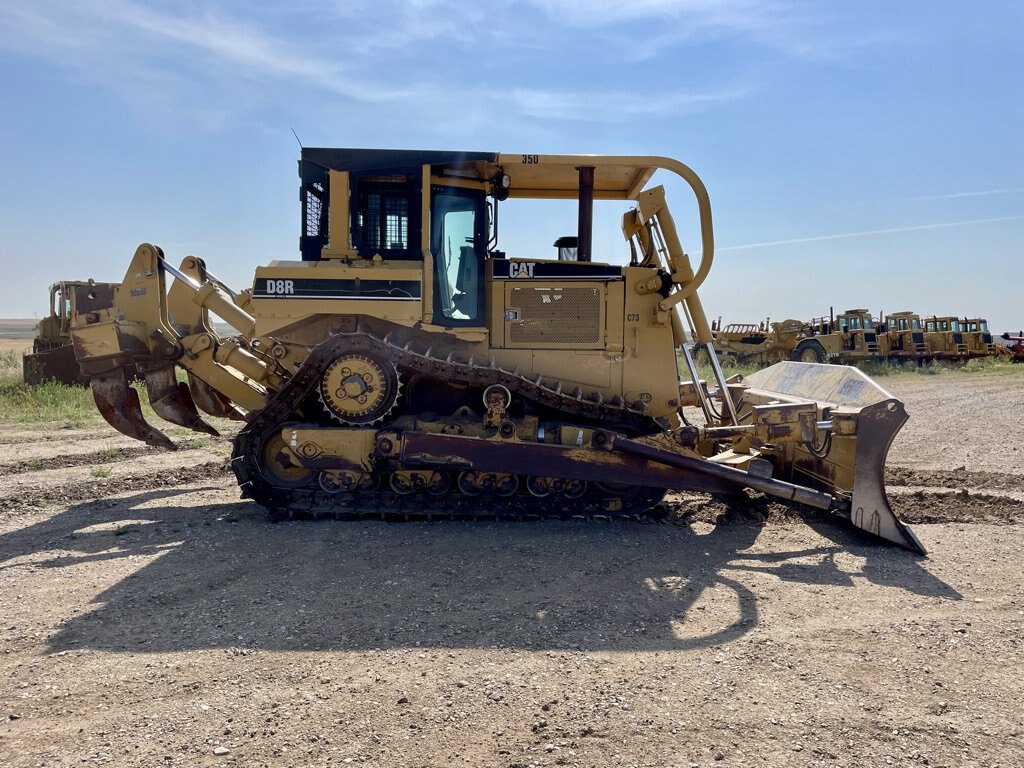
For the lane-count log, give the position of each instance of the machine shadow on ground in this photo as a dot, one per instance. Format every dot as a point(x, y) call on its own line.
point(223, 576)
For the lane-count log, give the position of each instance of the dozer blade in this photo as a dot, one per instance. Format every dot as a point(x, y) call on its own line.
point(211, 401)
point(846, 465)
point(119, 404)
point(173, 401)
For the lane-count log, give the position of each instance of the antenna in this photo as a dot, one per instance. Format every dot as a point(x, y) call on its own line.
point(296, 137)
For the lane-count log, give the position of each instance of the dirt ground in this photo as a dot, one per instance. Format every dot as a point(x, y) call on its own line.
point(148, 617)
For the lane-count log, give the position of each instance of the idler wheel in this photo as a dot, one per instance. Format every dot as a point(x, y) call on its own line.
point(280, 464)
point(359, 389)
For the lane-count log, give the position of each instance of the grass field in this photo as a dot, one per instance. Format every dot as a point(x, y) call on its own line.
point(53, 404)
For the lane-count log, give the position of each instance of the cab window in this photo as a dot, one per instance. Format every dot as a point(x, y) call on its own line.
point(456, 243)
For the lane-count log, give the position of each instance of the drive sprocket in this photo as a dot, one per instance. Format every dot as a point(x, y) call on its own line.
point(358, 388)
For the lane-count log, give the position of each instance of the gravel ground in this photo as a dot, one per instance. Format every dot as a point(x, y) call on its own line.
point(150, 618)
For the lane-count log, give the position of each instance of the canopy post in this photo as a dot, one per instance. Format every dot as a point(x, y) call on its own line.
point(586, 217)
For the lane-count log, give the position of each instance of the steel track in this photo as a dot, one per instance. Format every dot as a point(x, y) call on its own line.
point(284, 501)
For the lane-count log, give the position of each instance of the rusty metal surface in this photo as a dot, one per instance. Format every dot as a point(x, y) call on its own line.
point(173, 402)
point(732, 476)
point(577, 463)
point(210, 401)
point(119, 405)
point(58, 364)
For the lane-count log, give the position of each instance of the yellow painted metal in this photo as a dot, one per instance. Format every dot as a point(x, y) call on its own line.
point(603, 335)
point(279, 312)
point(339, 240)
point(427, 311)
point(311, 447)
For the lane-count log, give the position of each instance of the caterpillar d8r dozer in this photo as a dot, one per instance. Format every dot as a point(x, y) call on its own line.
point(406, 367)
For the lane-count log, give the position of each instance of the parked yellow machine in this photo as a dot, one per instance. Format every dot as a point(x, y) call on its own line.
point(848, 337)
point(977, 337)
point(955, 339)
point(406, 366)
point(52, 357)
point(905, 336)
point(754, 344)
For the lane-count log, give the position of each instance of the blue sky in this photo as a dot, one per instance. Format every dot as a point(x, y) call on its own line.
point(857, 154)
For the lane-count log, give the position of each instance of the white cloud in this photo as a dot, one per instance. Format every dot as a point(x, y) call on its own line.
point(113, 39)
point(426, 57)
point(612, 106)
point(959, 195)
point(739, 14)
point(868, 233)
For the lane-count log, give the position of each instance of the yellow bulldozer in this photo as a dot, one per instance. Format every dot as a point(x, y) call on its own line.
point(405, 366)
point(52, 357)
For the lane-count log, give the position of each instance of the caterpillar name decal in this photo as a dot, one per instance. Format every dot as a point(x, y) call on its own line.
point(521, 268)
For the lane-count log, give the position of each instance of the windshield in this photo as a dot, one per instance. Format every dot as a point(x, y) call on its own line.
point(853, 322)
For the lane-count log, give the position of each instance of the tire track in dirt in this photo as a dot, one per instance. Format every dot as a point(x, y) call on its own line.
point(961, 506)
point(955, 479)
point(70, 493)
point(109, 456)
point(980, 497)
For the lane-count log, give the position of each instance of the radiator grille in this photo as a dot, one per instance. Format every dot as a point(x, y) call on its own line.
point(556, 316)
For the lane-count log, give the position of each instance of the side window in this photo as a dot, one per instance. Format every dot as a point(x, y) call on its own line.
point(385, 216)
point(456, 245)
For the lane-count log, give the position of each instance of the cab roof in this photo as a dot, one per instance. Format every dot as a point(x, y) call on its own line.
point(616, 177)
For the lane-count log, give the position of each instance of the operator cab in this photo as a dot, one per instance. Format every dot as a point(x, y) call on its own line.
point(412, 226)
